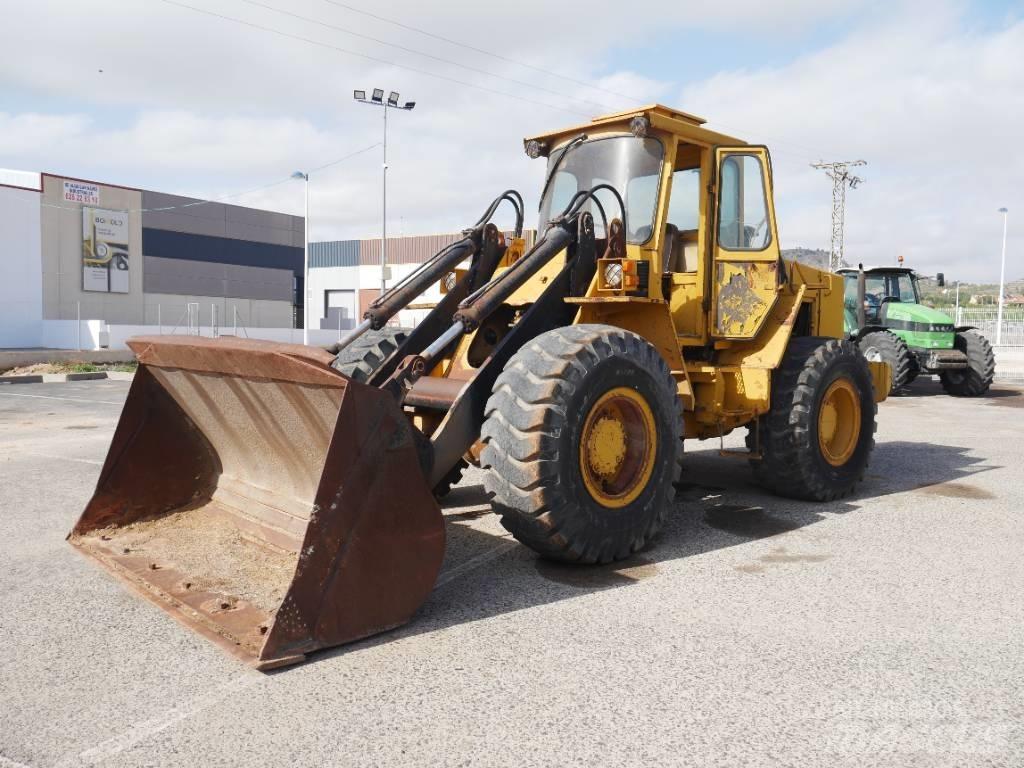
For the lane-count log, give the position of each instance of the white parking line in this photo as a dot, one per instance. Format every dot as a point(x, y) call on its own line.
point(154, 725)
point(52, 397)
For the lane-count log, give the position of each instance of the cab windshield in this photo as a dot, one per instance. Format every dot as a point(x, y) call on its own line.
point(629, 164)
point(879, 288)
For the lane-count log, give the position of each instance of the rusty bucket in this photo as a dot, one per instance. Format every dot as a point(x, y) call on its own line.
point(263, 499)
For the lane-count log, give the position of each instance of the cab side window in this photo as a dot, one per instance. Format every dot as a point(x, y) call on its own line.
point(742, 206)
point(680, 250)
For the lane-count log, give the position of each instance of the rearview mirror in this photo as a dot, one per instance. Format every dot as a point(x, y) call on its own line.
point(940, 279)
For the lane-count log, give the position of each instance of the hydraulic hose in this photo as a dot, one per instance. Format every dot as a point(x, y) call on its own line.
point(402, 294)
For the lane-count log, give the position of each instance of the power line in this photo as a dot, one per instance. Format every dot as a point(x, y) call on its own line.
point(630, 98)
point(375, 59)
point(434, 75)
point(415, 52)
point(222, 198)
point(468, 47)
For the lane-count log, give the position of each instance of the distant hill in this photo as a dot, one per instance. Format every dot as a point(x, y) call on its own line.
point(812, 257)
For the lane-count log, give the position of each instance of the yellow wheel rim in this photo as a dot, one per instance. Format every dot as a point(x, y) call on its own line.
point(839, 422)
point(618, 445)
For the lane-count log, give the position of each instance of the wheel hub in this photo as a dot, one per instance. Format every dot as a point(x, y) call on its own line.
point(618, 444)
point(839, 418)
point(606, 446)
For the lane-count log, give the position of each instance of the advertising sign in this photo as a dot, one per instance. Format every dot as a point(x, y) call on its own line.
point(105, 254)
point(80, 192)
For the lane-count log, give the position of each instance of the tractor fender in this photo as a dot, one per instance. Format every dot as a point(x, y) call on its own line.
point(862, 332)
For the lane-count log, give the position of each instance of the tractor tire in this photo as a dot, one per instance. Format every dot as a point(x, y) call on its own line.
point(583, 444)
point(974, 380)
point(818, 435)
point(891, 349)
point(363, 356)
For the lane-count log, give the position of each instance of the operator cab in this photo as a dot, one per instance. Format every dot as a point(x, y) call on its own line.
point(882, 285)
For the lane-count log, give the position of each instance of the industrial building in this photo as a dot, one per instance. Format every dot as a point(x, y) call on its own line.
point(345, 276)
point(112, 256)
point(90, 264)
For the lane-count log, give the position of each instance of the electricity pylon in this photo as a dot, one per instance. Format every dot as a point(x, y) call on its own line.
point(841, 179)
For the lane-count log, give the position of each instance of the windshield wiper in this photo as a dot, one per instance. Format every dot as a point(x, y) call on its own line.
point(557, 164)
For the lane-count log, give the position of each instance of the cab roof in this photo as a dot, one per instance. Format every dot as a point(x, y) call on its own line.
point(675, 121)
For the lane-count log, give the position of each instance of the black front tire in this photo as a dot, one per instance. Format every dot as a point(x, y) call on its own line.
point(792, 462)
point(974, 380)
point(363, 356)
point(890, 348)
point(535, 419)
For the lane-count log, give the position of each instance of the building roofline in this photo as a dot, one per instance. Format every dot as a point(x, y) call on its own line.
point(45, 174)
point(24, 189)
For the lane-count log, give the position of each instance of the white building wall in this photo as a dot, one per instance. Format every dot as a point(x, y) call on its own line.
point(323, 279)
point(21, 277)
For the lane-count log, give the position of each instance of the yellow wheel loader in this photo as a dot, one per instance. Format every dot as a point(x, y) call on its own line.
point(280, 498)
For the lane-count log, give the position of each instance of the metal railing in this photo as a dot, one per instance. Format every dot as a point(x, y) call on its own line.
point(1011, 334)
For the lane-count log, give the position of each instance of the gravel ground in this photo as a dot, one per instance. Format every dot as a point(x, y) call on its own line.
point(881, 630)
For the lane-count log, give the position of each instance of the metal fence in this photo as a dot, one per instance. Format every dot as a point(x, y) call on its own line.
point(984, 319)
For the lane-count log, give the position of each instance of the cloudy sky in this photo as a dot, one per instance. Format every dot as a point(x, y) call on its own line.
point(215, 97)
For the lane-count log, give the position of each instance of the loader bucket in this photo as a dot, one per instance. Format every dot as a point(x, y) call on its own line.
point(263, 499)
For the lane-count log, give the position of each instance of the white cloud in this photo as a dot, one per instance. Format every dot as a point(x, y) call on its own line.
point(192, 104)
point(935, 108)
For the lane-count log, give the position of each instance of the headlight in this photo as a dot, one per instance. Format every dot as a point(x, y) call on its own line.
point(535, 149)
point(639, 126)
point(613, 275)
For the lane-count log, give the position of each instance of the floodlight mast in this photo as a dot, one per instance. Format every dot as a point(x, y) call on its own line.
point(377, 99)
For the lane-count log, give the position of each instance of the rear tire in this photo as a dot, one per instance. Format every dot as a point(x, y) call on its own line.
point(974, 380)
point(363, 356)
point(582, 443)
point(890, 348)
point(819, 433)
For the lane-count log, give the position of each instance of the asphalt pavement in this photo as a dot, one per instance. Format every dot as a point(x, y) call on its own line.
point(885, 629)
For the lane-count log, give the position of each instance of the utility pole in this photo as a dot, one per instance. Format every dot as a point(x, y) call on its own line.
point(841, 179)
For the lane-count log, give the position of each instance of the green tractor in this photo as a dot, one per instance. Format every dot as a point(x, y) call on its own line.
point(886, 319)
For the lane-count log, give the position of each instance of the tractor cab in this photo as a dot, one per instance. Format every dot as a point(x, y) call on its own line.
point(882, 285)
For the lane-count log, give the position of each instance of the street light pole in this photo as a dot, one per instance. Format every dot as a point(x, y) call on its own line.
point(305, 257)
point(377, 99)
point(1002, 278)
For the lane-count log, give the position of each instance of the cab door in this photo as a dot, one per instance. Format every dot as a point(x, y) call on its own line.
point(745, 251)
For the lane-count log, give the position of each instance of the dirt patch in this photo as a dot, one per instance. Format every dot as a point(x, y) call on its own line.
point(1007, 398)
point(596, 576)
point(955, 491)
point(209, 549)
point(779, 556)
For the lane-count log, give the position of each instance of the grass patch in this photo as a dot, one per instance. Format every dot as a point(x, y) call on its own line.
point(69, 366)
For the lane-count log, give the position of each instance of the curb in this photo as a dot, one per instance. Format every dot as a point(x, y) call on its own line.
point(50, 378)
